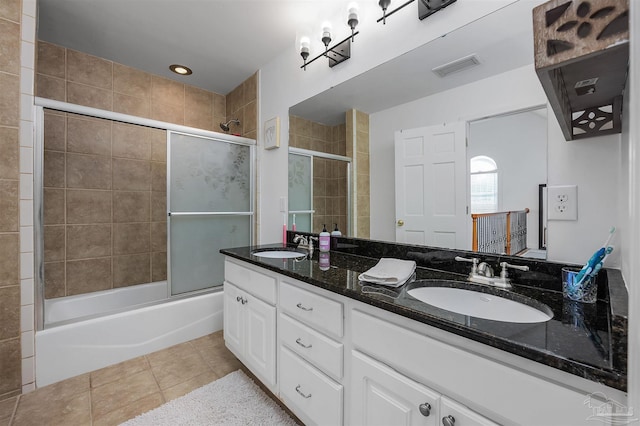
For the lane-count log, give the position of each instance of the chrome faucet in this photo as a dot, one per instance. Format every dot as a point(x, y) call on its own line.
point(305, 242)
point(483, 273)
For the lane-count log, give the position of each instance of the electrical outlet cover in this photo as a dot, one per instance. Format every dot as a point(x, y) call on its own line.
point(562, 202)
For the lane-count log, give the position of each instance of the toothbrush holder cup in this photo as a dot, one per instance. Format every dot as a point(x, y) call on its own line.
point(585, 292)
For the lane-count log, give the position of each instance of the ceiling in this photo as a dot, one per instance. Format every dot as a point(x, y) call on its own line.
point(223, 41)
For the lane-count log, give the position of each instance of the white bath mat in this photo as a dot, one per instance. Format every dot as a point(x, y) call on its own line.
point(231, 400)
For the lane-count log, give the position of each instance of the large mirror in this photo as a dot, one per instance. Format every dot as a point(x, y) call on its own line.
point(393, 96)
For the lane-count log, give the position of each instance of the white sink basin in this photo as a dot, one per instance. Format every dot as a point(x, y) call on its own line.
point(479, 305)
point(279, 254)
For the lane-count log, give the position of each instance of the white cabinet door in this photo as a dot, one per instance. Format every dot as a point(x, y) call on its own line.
point(233, 319)
point(454, 414)
point(382, 396)
point(260, 343)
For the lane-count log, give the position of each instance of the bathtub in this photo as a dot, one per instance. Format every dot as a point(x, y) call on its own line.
point(79, 346)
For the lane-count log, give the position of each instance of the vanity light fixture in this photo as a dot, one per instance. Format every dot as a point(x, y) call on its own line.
point(384, 4)
point(180, 69)
point(339, 52)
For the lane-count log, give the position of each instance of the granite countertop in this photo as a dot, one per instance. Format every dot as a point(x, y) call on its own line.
point(587, 340)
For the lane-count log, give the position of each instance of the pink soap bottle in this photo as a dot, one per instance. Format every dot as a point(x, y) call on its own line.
point(325, 239)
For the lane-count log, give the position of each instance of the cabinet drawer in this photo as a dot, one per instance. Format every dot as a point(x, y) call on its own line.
point(460, 415)
point(256, 283)
point(318, 311)
point(311, 395)
point(315, 347)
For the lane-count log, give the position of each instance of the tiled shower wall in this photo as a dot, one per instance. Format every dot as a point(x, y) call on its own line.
point(358, 149)
point(329, 176)
point(104, 204)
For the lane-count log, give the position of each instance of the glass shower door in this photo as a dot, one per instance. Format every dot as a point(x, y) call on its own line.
point(301, 191)
point(210, 207)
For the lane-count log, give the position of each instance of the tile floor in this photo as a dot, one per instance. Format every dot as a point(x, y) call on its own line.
point(120, 392)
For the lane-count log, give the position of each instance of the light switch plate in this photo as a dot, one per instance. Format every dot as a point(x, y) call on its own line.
point(562, 202)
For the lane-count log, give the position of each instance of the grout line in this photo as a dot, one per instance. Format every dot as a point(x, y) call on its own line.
point(15, 410)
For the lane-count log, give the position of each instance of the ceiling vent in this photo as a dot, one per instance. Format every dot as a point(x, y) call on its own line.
point(457, 65)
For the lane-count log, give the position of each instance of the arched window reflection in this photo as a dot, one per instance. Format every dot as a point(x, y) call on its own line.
point(484, 184)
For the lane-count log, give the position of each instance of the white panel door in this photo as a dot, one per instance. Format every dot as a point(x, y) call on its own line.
point(260, 343)
point(431, 186)
point(382, 396)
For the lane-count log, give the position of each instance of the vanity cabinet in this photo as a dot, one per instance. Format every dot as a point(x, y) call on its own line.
point(250, 319)
point(310, 329)
point(382, 396)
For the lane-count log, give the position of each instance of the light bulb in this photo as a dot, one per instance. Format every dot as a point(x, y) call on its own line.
point(352, 21)
point(326, 34)
point(304, 47)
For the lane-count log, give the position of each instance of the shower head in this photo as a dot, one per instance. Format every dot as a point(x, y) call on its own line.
point(225, 126)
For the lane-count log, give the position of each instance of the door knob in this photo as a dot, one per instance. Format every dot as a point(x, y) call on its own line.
point(448, 421)
point(400, 222)
point(425, 409)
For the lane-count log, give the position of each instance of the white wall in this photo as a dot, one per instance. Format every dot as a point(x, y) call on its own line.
point(591, 163)
point(284, 84)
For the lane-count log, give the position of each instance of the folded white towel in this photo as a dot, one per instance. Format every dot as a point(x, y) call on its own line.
point(389, 272)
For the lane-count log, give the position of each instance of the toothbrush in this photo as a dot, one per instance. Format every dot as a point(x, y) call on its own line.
point(595, 260)
point(284, 229)
point(293, 225)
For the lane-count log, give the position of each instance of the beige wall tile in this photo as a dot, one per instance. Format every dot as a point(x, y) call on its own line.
point(9, 153)
point(131, 141)
point(54, 243)
point(88, 135)
point(199, 120)
point(250, 89)
point(54, 280)
point(10, 9)
point(158, 206)
point(9, 100)
point(55, 128)
point(88, 275)
point(131, 81)
point(51, 88)
point(166, 91)
point(9, 201)
point(235, 101)
point(158, 266)
point(54, 169)
point(158, 145)
point(125, 104)
point(9, 259)
point(131, 269)
point(88, 241)
point(167, 112)
point(9, 312)
point(54, 206)
point(51, 60)
point(251, 135)
point(131, 175)
point(197, 99)
point(9, 47)
point(10, 367)
point(88, 171)
point(89, 70)
point(131, 206)
point(131, 238)
point(250, 117)
point(88, 206)
point(90, 96)
point(158, 236)
point(159, 177)
point(219, 105)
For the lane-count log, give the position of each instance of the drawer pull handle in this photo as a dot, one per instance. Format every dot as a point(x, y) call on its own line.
point(448, 421)
point(244, 301)
point(299, 341)
point(300, 392)
point(425, 409)
point(238, 299)
point(299, 305)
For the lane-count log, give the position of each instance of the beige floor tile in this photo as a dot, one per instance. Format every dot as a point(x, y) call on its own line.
point(130, 411)
point(176, 365)
point(192, 384)
point(120, 393)
point(7, 407)
point(63, 411)
point(118, 371)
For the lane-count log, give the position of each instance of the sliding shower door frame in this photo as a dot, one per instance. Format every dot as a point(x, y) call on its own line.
point(38, 185)
point(170, 214)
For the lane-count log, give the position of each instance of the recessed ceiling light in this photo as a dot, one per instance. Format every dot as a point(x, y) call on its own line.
point(181, 69)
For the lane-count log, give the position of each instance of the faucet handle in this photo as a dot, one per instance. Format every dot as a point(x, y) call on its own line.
point(474, 260)
point(505, 266)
